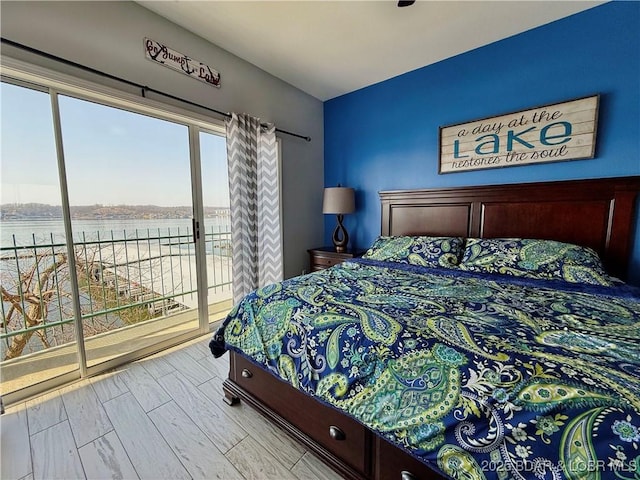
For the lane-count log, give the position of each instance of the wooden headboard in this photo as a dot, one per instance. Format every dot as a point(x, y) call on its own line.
point(594, 213)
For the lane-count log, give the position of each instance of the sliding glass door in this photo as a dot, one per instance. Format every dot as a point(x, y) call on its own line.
point(37, 311)
point(216, 222)
point(125, 252)
point(129, 183)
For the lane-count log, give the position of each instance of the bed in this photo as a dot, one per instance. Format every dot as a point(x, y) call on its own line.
point(435, 356)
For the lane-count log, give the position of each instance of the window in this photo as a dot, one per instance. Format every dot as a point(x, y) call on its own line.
point(103, 223)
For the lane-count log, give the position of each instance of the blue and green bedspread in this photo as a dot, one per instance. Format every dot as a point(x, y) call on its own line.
point(479, 376)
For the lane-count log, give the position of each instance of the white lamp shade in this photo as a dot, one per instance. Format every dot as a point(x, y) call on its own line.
point(338, 200)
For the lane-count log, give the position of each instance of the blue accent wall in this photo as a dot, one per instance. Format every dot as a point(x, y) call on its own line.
point(385, 136)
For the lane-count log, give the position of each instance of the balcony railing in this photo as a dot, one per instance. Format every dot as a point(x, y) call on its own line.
point(123, 280)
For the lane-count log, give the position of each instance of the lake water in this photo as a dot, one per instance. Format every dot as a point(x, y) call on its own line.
point(48, 231)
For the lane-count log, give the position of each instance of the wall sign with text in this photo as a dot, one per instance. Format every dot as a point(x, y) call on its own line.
point(552, 133)
point(164, 55)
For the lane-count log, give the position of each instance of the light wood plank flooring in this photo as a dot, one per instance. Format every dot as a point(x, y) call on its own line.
point(160, 417)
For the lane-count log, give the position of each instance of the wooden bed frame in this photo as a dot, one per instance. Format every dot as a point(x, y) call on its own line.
point(594, 213)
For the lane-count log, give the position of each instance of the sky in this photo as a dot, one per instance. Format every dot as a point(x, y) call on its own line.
point(112, 156)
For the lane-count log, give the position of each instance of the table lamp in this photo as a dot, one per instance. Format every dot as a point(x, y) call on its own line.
point(339, 201)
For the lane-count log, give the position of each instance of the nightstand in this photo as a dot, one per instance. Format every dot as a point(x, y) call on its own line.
point(325, 257)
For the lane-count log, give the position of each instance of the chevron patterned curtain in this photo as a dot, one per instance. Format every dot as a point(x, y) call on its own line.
point(252, 155)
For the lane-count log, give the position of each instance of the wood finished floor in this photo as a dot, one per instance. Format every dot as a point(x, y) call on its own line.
point(158, 418)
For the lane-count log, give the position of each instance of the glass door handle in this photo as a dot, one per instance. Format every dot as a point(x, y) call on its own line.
point(196, 229)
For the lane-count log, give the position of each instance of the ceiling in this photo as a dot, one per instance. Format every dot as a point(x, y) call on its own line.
point(329, 48)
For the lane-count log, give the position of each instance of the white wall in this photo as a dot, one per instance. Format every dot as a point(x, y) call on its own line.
point(108, 36)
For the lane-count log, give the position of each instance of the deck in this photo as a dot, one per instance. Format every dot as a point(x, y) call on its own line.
point(36, 368)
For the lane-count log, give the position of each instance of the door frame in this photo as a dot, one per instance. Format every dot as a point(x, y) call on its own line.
point(55, 83)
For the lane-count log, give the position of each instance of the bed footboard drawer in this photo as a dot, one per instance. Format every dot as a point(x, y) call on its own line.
point(393, 464)
point(336, 432)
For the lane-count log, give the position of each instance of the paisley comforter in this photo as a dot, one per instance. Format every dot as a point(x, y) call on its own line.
point(478, 376)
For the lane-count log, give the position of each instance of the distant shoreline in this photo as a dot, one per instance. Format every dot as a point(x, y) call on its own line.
point(43, 212)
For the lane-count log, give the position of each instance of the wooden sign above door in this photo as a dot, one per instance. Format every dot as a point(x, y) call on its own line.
point(164, 55)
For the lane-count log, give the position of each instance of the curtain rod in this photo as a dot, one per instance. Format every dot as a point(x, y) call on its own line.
point(144, 88)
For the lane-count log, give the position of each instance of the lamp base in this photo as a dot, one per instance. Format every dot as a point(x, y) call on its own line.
point(340, 236)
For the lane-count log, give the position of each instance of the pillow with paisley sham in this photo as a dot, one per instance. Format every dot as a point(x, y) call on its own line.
point(418, 250)
point(546, 259)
